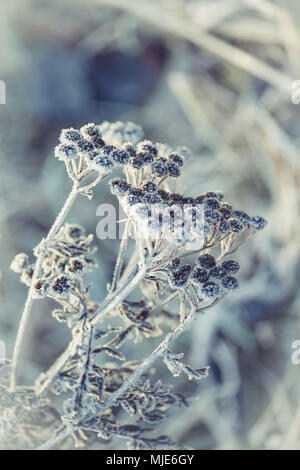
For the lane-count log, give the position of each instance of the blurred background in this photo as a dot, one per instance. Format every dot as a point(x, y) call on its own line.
point(216, 76)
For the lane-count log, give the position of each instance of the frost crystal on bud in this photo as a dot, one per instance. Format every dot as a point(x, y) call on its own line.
point(66, 151)
point(74, 231)
point(236, 226)
point(148, 147)
point(159, 167)
point(207, 261)
point(61, 286)
point(173, 170)
point(231, 266)
point(258, 222)
point(175, 158)
point(218, 272)
point(40, 288)
point(180, 277)
point(90, 132)
point(149, 187)
point(200, 275)
point(210, 289)
point(75, 267)
point(230, 283)
point(120, 156)
point(119, 187)
point(70, 135)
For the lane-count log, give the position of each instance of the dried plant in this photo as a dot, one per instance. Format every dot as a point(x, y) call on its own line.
point(92, 392)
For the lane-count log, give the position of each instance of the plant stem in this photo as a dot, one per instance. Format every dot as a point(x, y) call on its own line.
point(29, 301)
point(109, 303)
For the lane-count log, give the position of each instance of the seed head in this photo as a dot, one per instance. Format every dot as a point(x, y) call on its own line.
point(235, 225)
point(149, 187)
point(120, 157)
point(90, 132)
point(224, 226)
point(129, 148)
point(231, 266)
point(40, 289)
point(210, 289)
point(230, 283)
point(74, 232)
point(180, 277)
point(218, 272)
point(148, 147)
point(258, 222)
point(175, 264)
point(173, 170)
point(119, 187)
point(211, 203)
point(241, 216)
point(98, 143)
point(69, 136)
point(211, 216)
point(163, 195)
point(85, 146)
point(61, 286)
point(136, 162)
point(75, 267)
point(225, 211)
point(107, 150)
point(207, 261)
point(200, 275)
point(176, 158)
point(104, 164)
point(66, 152)
point(159, 167)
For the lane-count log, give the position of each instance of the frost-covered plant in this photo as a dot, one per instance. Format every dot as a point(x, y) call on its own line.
point(93, 391)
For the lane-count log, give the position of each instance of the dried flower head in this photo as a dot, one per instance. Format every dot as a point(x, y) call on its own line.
point(257, 222)
point(61, 286)
point(19, 263)
point(210, 290)
point(41, 288)
point(230, 283)
point(90, 132)
point(200, 275)
point(231, 266)
point(66, 151)
point(75, 267)
point(70, 136)
point(207, 261)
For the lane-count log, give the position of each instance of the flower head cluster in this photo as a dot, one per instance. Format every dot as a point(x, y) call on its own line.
point(211, 277)
point(67, 259)
point(168, 214)
point(99, 146)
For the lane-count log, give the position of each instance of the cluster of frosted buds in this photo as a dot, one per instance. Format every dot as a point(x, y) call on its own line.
point(165, 214)
point(155, 162)
point(178, 274)
point(159, 213)
point(67, 259)
point(208, 278)
point(223, 218)
point(97, 145)
point(212, 278)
